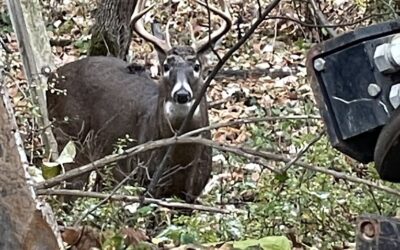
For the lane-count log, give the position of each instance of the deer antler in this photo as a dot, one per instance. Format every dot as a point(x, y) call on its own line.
point(208, 41)
point(139, 12)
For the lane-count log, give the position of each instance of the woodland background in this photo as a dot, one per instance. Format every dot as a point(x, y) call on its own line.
point(288, 193)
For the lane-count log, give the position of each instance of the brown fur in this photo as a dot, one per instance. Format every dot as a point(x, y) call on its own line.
point(106, 99)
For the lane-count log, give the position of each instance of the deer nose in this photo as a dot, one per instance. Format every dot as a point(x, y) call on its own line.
point(182, 96)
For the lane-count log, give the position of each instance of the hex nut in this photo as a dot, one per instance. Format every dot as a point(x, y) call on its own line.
point(381, 60)
point(395, 54)
point(394, 95)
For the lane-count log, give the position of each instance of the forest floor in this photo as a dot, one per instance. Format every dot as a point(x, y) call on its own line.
point(265, 78)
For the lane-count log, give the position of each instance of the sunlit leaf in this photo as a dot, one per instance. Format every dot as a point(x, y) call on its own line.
point(266, 243)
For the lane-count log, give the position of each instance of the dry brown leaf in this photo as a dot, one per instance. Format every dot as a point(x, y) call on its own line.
point(82, 238)
point(226, 246)
point(134, 236)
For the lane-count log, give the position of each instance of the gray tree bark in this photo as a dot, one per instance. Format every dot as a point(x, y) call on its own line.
point(112, 33)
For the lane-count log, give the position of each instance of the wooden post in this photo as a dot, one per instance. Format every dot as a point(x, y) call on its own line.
point(37, 59)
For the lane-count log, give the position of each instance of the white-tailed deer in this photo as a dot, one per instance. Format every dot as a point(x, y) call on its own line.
point(106, 98)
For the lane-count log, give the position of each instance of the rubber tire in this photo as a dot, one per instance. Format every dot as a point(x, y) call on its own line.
point(387, 149)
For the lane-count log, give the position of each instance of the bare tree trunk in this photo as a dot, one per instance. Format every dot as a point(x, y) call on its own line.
point(111, 33)
point(21, 224)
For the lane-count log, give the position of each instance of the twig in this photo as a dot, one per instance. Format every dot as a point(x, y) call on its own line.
point(378, 207)
point(128, 198)
point(310, 25)
point(5, 47)
point(249, 121)
point(158, 172)
point(214, 104)
point(322, 19)
point(259, 8)
point(103, 201)
point(302, 152)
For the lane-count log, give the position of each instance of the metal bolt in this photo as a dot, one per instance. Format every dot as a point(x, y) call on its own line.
point(368, 230)
point(319, 64)
point(394, 95)
point(46, 70)
point(374, 89)
point(387, 56)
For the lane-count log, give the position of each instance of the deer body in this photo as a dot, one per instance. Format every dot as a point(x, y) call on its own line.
point(106, 99)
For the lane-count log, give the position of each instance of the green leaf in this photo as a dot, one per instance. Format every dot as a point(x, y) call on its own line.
point(49, 170)
point(266, 243)
point(52, 169)
point(282, 177)
point(187, 238)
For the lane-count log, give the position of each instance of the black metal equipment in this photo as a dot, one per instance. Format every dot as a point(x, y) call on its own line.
point(357, 88)
point(375, 232)
point(356, 84)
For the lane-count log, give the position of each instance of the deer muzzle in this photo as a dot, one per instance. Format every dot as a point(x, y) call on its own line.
point(182, 96)
point(182, 92)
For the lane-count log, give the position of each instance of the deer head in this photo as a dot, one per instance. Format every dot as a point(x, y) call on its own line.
point(181, 71)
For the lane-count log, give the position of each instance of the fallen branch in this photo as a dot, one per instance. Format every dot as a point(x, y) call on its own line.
point(243, 151)
point(133, 199)
point(157, 144)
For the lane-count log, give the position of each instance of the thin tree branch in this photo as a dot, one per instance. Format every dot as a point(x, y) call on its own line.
point(161, 168)
point(132, 199)
point(103, 201)
point(302, 152)
point(310, 25)
point(143, 147)
point(249, 121)
point(243, 151)
point(321, 17)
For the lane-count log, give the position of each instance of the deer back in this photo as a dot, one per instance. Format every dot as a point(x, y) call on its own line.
point(97, 100)
point(101, 94)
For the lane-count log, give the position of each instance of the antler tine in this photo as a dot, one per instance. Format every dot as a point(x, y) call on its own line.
point(138, 27)
point(192, 36)
point(167, 36)
point(206, 42)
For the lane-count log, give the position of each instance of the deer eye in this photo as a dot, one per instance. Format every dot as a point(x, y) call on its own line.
point(196, 67)
point(166, 67)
